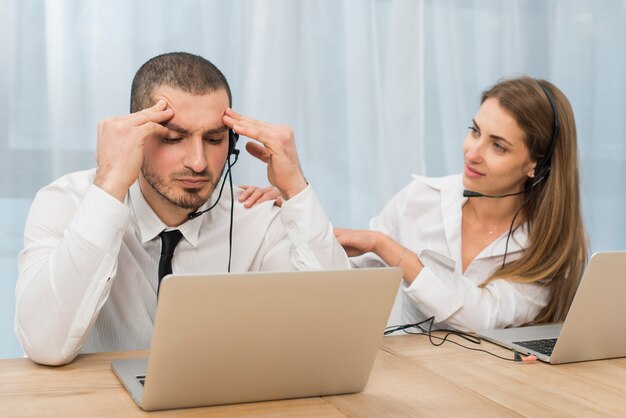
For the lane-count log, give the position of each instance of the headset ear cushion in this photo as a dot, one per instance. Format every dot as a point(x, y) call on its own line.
point(232, 141)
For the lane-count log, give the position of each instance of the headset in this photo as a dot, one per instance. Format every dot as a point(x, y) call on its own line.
point(542, 169)
point(232, 144)
point(233, 137)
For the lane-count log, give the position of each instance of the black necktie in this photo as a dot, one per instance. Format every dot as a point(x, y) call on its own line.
point(169, 240)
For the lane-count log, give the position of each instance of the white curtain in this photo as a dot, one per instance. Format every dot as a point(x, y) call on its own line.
point(376, 90)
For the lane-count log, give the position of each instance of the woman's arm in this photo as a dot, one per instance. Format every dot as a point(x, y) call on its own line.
point(357, 242)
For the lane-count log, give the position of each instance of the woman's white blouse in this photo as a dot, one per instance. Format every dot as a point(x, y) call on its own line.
point(425, 217)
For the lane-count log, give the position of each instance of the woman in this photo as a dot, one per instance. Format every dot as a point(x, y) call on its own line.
point(513, 249)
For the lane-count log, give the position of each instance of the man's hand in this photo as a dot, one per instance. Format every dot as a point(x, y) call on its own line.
point(277, 150)
point(120, 147)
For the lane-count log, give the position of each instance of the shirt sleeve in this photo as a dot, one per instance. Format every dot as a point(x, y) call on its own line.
point(451, 298)
point(70, 252)
point(302, 238)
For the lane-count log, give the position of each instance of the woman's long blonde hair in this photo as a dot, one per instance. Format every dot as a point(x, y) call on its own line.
point(557, 251)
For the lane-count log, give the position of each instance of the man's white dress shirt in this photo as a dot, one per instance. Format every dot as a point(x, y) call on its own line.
point(425, 217)
point(88, 272)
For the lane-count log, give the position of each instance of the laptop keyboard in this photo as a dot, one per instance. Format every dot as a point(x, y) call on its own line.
point(142, 379)
point(541, 346)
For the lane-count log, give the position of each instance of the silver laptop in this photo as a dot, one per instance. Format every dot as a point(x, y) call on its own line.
point(594, 327)
point(221, 339)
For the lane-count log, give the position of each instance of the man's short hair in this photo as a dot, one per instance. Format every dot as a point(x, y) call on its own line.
point(181, 70)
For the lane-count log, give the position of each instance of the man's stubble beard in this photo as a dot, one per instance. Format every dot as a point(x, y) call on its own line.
point(190, 199)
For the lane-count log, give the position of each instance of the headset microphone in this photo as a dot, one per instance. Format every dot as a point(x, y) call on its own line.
point(194, 215)
point(470, 193)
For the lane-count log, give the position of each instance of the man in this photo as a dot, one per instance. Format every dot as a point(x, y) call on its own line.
point(91, 265)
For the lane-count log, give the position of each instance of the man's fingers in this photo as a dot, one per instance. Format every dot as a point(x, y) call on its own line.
point(241, 118)
point(258, 151)
point(251, 128)
point(243, 128)
point(160, 112)
point(231, 113)
point(151, 128)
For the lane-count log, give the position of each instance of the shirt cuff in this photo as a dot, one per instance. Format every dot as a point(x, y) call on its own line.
point(303, 217)
point(101, 219)
point(429, 291)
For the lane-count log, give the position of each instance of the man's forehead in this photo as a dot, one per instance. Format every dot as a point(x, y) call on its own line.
point(194, 112)
point(173, 126)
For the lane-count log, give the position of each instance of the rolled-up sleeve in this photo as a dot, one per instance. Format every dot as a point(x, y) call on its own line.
point(463, 304)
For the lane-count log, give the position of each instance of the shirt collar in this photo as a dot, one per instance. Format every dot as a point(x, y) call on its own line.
point(150, 225)
point(452, 201)
point(450, 190)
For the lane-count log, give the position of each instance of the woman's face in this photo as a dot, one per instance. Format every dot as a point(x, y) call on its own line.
point(497, 160)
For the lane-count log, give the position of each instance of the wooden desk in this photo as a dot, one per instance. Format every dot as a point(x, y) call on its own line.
point(410, 378)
